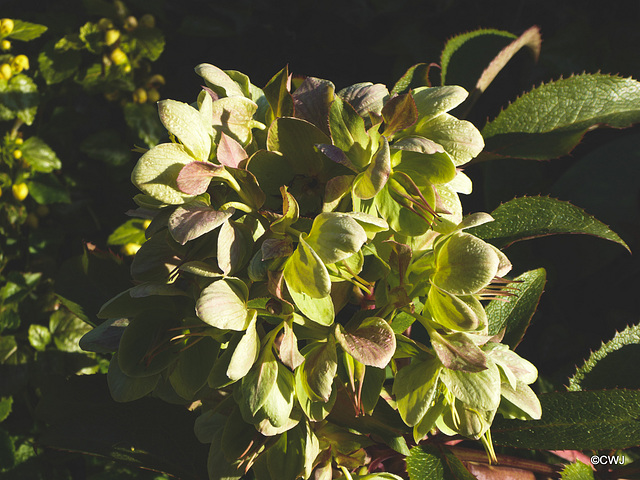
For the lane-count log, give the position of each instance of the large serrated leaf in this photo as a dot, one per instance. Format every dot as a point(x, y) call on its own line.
point(429, 462)
point(465, 56)
point(550, 120)
point(531, 217)
point(601, 419)
point(515, 314)
point(608, 367)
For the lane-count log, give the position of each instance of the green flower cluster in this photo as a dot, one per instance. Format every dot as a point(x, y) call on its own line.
point(296, 234)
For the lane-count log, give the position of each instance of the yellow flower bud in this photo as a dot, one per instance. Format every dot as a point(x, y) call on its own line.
point(126, 68)
point(19, 63)
point(5, 71)
point(6, 26)
point(111, 36)
point(20, 191)
point(130, 249)
point(118, 57)
point(153, 95)
point(19, 141)
point(130, 23)
point(5, 45)
point(17, 154)
point(32, 220)
point(140, 95)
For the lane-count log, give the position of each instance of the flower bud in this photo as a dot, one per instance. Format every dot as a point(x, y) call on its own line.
point(148, 21)
point(111, 36)
point(5, 71)
point(5, 45)
point(140, 95)
point(20, 191)
point(105, 24)
point(155, 81)
point(130, 23)
point(20, 63)
point(130, 249)
point(118, 57)
point(153, 95)
point(6, 26)
point(19, 141)
point(17, 154)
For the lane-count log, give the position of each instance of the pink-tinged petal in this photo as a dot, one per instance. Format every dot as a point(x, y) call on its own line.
point(230, 153)
point(194, 178)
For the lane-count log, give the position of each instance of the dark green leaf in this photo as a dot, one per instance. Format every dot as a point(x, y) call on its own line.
point(127, 389)
point(40, 156)
point(92, 36)
point(515, 314)
point(143, 120)
point(19, 98)
point(5, 407)
point(194, 365)
point(319, 369)
point(7, 450)
point(39, 336)
point(105, 338)
point(107, 146)
point(278, 96)
point(550, 120)
point(348, 133)
point(57, 65)
point(67, 329)
point(149, 42)
point(595, 420)
point(465, 56)
point(430, 462)
point(608, 367)
point(26, 31)
point(416, 76)
point(47, 189)
point(530, 217)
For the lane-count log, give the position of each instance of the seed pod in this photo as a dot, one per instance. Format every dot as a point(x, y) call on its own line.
point(111, 36)
point(20, 191)
point(6, 26)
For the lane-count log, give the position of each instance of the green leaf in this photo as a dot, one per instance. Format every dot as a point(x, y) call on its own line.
point(157, 171)
point(104, 338)
point(319, 369)
point(67, 329)
point(246, 352)
point(278, 96)
point(149, 42)
point(39, 336)
point(414, 77)
point(26, 31)
point(368, 183)
point(595, 420)
point(465, 56)
point(155, 260)
point(320, 310)
point(315, 410)
point(431, 462)
point(186, 123)
point(415, 387)
point(608, 367)
point(127, 389)
point(399, 113)
point(235, 244)
point(235, 116)
point(92, 37)
point(531, 217)
point(194, 219)
point(39, 155)
point(194, 365)
point(131, 231)
point(478, 390)
point(45, 188)
point(335, 236)
point(577, 471)
point(348, 133)
point(550, 120)
point(372, 342)
point(261, 379)
point(19, 98)
point(7, 451)
point(5, 407)
point(218, 80)
point(305, 272)
point(56, 65)
point(143, 120)
point(223, 305)
point(513, 316)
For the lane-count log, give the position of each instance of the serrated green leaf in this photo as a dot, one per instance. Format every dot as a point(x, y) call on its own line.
point(39, 155)
point(465, 56)
point(550, 120)
point(594, 420)
point(515, 314)
point(577, 471)
point(39, 336)
point(57, 65)
point(608, 367)
point(92, 36)
point(45, 188)
point(19, 98)
point(149, 42)
point(415, 76)
point(430, 462)
point(531, 217)
point(26, 31)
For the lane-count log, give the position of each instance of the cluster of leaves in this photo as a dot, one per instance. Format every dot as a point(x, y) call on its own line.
point(310, 284)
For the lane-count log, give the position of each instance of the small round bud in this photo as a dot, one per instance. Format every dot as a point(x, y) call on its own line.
point(5, 71)
point(105, 24)
point(155, 81)
point(6, 26)
point(130, 249)
point(17, 154)
point(5, 45)
point(153, 95)
point(140, 95)
point(147, 21)
point(130, 23)
point(126, 68)
point(32, 220)
point(20, 191)
point(118, 57)
point(19, 141)
point(111, 36)
point(20, 63)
